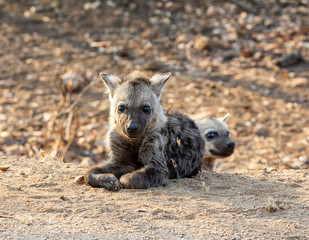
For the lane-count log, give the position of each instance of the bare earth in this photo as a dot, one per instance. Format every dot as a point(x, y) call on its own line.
point(40, 199)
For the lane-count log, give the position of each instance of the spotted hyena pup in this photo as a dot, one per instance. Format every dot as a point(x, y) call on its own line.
point(218, 143)
point(147, 145)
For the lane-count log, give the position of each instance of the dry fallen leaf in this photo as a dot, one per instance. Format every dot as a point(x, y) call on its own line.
point(4, 168)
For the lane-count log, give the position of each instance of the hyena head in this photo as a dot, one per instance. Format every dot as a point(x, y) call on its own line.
point(218, 143)
point(135, 106)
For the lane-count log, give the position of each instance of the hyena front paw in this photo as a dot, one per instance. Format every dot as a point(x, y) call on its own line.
point(134, 180)
point(107, 180)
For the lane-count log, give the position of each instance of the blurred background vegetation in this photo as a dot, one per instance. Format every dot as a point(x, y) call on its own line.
point(249, 58)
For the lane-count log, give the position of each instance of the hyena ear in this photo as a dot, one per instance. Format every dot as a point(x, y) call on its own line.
point(111, 82)
point(226, 117)
point(158, 81)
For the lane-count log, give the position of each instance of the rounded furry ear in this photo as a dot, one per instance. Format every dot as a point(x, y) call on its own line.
point(111, 82)
point(226, 117)
point(158, 80)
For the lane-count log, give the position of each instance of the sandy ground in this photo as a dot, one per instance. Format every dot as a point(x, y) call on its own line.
point(40, 199)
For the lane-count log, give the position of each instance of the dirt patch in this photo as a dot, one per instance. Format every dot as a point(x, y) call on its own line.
point(41, 199)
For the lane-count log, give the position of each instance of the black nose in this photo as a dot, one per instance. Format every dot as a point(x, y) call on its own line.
point(132, 127)
point(230, 144)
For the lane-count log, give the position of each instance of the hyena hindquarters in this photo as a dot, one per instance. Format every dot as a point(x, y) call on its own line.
point(147, 146)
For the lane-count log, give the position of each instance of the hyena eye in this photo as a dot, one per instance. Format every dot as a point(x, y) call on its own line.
point(146, 109)
point(211, 135)
point(120, 109)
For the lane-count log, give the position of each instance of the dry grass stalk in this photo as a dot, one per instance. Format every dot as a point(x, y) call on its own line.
point(63, 127)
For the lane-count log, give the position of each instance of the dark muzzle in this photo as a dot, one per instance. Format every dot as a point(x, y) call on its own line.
point(132, 127)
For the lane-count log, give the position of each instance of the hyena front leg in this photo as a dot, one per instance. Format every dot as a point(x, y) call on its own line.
point(107, 175)
point(155, 170)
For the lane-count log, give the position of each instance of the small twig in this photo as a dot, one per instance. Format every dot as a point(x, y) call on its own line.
point(3, 216)
point(4, 184)
point(68, 126)
point(66, 119)
point(10, 187)
point(52, 123)
point(56, 145)
point(71, 134)
point(60, 107)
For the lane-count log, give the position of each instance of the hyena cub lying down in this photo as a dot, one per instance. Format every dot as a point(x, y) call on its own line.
point(147, 146)
point(218, 143)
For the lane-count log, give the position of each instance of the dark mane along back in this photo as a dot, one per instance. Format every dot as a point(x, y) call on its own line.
point(185, 146)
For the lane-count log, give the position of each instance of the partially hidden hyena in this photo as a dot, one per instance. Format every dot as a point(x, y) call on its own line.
point(218, 143)
point(147, 145)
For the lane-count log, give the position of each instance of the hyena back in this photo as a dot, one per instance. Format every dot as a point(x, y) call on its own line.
point(147, 146)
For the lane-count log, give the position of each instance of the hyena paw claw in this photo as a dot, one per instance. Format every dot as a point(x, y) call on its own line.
point(108, 181)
